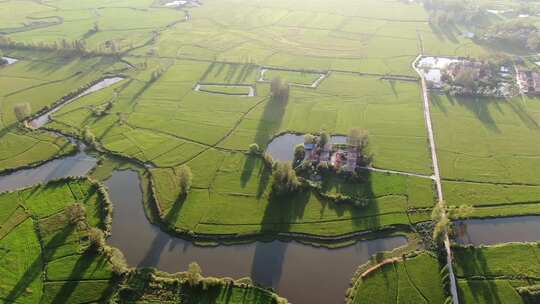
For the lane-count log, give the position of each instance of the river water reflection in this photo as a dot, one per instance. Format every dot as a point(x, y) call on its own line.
point(498, 230)
point(303, 274)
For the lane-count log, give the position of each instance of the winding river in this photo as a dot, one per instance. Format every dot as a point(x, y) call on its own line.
point(301, 273)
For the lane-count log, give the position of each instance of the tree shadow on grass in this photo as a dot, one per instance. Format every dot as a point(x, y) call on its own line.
point(270, 120)
point(35, 269)
point(247, 169)
point(364, 216)
point(73, 280)
point(284, 210)
point(522, 114)
point(264, 179)
point(480, 108)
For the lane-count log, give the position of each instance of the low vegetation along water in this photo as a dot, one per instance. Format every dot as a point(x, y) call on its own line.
point(301, 273)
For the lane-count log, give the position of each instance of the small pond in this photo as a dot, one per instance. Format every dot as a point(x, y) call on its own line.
point(44, 119)
point(10, 60)
point(303, 274)
point(498, 230)
point(220, 89)
point(282, 147)
point(78, 164)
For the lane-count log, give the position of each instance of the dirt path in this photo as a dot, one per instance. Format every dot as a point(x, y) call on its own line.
point(437, 177)
point(398, 172)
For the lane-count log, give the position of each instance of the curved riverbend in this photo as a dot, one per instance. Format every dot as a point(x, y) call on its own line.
point(301, 273)
point(78, 164)
point(498, 230)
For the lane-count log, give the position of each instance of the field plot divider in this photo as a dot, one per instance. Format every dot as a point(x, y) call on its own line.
point(433, 148)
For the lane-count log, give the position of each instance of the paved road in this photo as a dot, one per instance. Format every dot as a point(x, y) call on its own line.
point(437, 177)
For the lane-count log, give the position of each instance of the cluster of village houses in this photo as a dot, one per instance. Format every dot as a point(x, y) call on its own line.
point(464, 76)
point(341, 157)
point(529, 82)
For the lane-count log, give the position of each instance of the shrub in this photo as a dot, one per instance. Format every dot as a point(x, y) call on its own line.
point(75, 213)
point(193, 275)
point(254, 149)
point(22, 110)
point(279, 90)
point(118, 261)
point(324, 139)
point(284, 179)
point(299, 153)
point(185, 178)
point(96, 239)
point(309, 139)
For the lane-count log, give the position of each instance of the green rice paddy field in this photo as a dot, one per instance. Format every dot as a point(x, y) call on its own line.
point(492, 274)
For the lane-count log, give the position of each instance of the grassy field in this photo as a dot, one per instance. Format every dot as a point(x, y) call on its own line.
point(45, 256)
point(492, 274)
point(413, 280)
point(232, 196)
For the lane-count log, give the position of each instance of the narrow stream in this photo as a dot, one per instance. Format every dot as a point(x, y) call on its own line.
point(301, 273)
point(44, 119)
point(78, 164)
point(498, 230)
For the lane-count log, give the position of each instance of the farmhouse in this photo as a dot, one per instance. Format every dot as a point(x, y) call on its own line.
point(529, 82)
point(341, 156)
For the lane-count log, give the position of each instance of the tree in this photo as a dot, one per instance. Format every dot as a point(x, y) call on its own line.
point(299, 152)
point(185, 178)
point(254, 149)
point(76, 213)
point(533, 42)
point(279, 90)
point(466, 77)
point(22, 110)
point(96, 239)
point(439, 216)
point(284, 179)
point(309, 139)
point(358, 138)
point(88, 136)
point(324, 139)
point(193, 275)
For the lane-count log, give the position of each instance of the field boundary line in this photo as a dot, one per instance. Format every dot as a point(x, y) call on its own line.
point(437, 177)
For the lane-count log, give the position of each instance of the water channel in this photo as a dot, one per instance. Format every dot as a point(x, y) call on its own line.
point(301, 273)
point(498, 230)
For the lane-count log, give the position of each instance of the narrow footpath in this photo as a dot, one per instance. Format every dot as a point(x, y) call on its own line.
point(437, 177)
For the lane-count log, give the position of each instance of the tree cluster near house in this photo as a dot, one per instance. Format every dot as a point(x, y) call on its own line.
point(478, 78)
point(449, 12)
point(318, 154)
point(517, 33)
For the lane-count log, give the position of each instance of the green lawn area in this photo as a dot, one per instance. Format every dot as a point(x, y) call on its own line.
point(231, 195)
point(44, 256)
point(491, 274)
point(415, 280)
point(487, 140)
